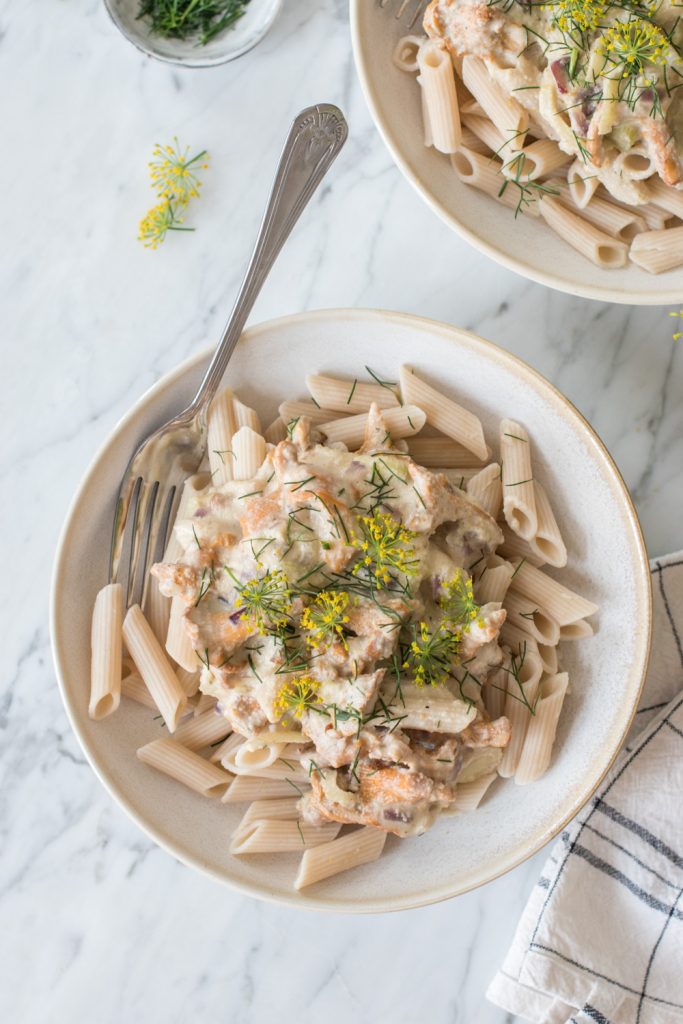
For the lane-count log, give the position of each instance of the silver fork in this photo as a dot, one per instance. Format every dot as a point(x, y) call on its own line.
point(151, 486)
point(412, 9)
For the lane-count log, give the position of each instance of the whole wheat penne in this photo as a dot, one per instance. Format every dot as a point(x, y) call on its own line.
point(531, 619)
point(222, 426)
point(154, 667)
point(486, 488)
point(515, 547)
point(617, 221)
point(358, 847)
point(665, 197)
point(443, 413)
point(561, 603)
point(576, 630)
point(133, 688)
point(189, 680)
point(185, 766)
point(591, 242)
point(516, 639)
point(292, 411)
point(534, 160)
point(540, 735)
point(548, 540)
point(157, 610)
point(107, 652)
point(657, 251)
point(349, 396)
point(524, 677)
point(276, 432)
point(405, 53)
point(494, 692)
point(469, 795)
point(441, 453)
point(249, 448)
point(178, 643)
point(437, 80)
point(493, 583)
point(245, 416)
point(245, 788)
point(400, 422)
point(485, 174)
point(283, 809)
point(472, 142)
point(276, 836)
point(485, 130)
point(519, 502)
point(582, 184)
point(507, 114)
point(204, 730)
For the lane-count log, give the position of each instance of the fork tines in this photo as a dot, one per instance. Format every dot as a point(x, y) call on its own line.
point(411, 9)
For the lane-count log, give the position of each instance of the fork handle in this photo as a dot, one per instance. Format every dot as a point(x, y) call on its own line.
point(315, 138)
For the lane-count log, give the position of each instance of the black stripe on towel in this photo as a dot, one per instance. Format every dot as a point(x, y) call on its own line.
point(619, 876)
point(657, 844)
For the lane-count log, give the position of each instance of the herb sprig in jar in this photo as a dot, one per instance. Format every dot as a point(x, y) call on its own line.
point(184, 19)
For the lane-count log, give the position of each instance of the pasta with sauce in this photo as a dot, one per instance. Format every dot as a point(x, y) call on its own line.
point(344, 609)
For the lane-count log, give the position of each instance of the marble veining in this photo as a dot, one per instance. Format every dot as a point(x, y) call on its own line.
point(99, 925)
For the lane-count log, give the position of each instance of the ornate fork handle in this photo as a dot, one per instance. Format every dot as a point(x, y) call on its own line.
point(315, 138)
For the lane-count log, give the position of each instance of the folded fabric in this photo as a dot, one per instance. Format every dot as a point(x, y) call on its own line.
point(601, 938)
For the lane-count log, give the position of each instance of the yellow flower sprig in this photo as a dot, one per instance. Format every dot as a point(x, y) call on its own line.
point(297, 695)
point(457, 601)
point(325, 618)
point(628, 47)
point(175, 181)
point(430, 655)
point(677, 334)
point(267, 599)
point(385, 549)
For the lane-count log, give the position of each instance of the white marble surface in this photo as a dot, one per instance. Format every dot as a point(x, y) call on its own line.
point(98, 924)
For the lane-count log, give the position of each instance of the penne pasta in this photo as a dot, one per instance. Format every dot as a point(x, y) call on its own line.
point(533, 161)
point(525, 669)
point(133, 688)
point(519, 502)
point(245, 788)
point(582, 184)
point(249, 449)
point(657, 251)
point(361, 846)
point(245, 416)
point(444, 414)
point(184, 766)
point(469, 795)
point(283, 809)
point(437, 81)
point(154, 667)
point(485, 174)
point(276, 432)
point(400, 422)
point(405, 53)
point(561, 603)
point(548, 540)
point(178, 643)
point(507, 114)
point(531, 619)
point(515, 547)
point(540, 735)
point(619, 222)
point(349, 396)
point(189, 680)
point(486, 488)
point(204, 730)
point(595, 245)
point(157, 610)
point(516, 638)
point(291, 411)
point(576, 630)
point(107, 652)
point(435, 711)
point(441, 452)
point(222, 425)
point(276, 836)
point(493, 584)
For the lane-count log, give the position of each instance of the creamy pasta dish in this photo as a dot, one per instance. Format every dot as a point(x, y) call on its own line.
point(341, 635)
point(574, 104)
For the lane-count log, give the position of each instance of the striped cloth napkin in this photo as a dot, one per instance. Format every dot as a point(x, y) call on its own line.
point(601, 938)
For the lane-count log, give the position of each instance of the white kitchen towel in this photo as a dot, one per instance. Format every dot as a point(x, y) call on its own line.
point(601, 938)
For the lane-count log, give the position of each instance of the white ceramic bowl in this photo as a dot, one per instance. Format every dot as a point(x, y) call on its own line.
point(233, 42)
point(523, 244)
point(607, 563)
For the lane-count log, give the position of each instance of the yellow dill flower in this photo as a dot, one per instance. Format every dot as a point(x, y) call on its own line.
point(157, 222)
point(677, 334)
point(325, 618)
point(267, 598)
point(173, 173)
point(297, 696)
point(457, 601)
point(385, 548)
point(577, 15)
point(430, 655)
point(629, 46)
